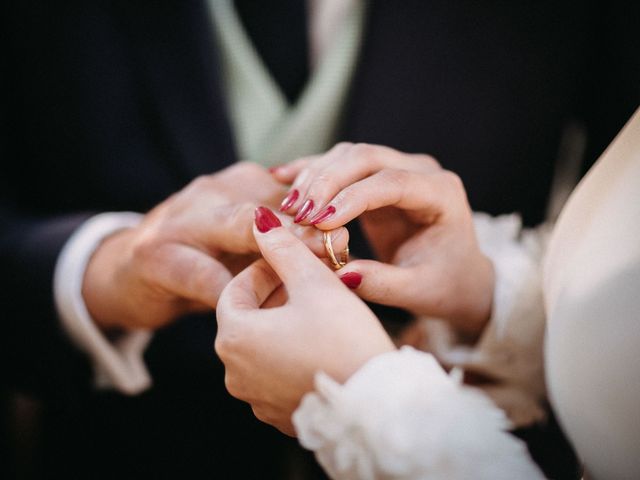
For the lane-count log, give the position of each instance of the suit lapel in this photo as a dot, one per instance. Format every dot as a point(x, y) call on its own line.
point(173, 47)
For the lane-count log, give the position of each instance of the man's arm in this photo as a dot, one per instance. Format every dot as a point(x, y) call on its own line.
point(38, 356)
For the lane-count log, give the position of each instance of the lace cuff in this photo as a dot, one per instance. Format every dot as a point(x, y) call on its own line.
point(402, 416)
point(510, 350)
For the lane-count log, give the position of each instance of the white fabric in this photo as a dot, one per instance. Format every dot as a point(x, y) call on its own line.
point(592, 297)
point(116, 364)
point(402, 417)
point(510, 348)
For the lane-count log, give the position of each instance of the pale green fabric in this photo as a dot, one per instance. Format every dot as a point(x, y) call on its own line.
point(266, 128)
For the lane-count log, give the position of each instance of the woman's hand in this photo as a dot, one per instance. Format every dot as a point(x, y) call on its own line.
point(272, 353)
point(417, 219)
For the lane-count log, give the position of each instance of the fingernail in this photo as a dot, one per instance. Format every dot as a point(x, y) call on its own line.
point(274, 168)
point(289, 200)
point(266, 219)
point(304, 211)
point(322, 215)
point(351, 279)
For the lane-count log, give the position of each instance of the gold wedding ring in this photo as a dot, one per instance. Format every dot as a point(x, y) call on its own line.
point(344, 255)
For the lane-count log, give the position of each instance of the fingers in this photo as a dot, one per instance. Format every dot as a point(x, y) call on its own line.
point(343, 165)
point(288, 172)
point(248, 290)
point(300, 270)
point(428, 196)
point(228, 228)
point(313, 238)
point(187, 273)
point(383, 283)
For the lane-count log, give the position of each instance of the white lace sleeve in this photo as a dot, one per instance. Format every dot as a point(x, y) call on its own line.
point(510, 350)
point(402, 417)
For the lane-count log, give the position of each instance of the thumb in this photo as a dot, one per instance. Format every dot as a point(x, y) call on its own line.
point(189, 273)
point(380, 282)
point(247, 291)
point(300, 270)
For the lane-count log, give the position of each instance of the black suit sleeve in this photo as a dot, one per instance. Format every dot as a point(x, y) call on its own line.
point(38, 356)
point(34, 353)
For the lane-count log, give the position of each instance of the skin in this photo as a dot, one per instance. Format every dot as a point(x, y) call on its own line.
point(184, 252)
point(418, 221)
point(271, 353)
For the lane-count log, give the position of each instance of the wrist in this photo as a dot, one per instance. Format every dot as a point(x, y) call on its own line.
point(473, 318)
point(103, 281)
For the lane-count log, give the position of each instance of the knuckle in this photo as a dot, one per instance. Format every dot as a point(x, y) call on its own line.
point(361, 151)
point(394, 176)
point(146, 249)
point(202, 182)
point(453, 182)
point(225, 344)
point(221, 347)
point(452, 178)
point(239, 214)
point(257, 412)
point(247, 168)
point(232, 386)
point(430, 162)
point(323, 183)
point(347, 195)
point(341, 147)
point(262, 414)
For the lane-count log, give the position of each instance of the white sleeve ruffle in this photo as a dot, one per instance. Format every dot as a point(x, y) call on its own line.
point(117, 364)
point(510, 349)
point(402, 417)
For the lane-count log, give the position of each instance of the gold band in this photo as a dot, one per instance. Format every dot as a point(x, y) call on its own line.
point(344, 256)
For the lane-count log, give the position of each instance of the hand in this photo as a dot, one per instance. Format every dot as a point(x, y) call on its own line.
point(184, 252)
point(418, 220)
point(272, 354)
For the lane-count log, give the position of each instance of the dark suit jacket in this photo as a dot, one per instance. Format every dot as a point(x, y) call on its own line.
point(114, 105)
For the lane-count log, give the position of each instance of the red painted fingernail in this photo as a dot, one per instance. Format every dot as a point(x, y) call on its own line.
point(289, 200)
point(351, 279)
point(304, 211)
point(266, 219)
point(322, 215)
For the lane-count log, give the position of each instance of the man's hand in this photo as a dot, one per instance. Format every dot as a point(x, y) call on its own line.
point(184, 252)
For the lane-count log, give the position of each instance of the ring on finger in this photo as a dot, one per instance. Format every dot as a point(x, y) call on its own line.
point(344, 255)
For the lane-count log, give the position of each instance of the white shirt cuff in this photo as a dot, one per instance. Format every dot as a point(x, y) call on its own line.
point(402, 416)
point(510, 350)
point(118, 364)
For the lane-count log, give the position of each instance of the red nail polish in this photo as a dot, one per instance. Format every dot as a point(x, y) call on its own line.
point(304, 211)
point(289, 200)
point(351, 279)
point(323, 215)
point(266, 219)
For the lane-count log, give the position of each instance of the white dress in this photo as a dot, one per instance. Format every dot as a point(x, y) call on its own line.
point(401, 416)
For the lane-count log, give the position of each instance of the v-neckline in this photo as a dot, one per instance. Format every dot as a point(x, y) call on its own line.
point(273, 121)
